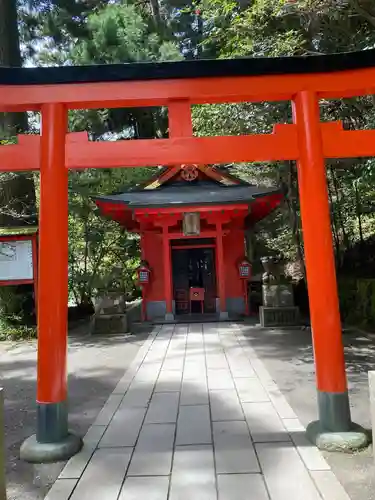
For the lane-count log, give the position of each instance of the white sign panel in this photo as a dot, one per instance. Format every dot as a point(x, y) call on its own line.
point(16, 260)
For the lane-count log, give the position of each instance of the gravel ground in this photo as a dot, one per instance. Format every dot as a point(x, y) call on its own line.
point(95, 365)
point(288, 357)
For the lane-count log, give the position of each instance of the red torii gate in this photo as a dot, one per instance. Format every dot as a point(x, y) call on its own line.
point(304, 81)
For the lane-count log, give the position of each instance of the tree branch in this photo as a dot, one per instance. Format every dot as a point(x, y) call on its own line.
point(363, 12)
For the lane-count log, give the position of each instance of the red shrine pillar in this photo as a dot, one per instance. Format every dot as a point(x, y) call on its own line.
point(169, 316)
point(333, 401)
point(221, 271)
point(52, 441)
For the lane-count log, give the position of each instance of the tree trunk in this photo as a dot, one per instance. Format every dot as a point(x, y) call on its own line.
point(291, 200)
point(17, 191)
point(334, 221)
point(10, 55)
point(339, 212)
point(358, 209)
point(155, 9)
point(9, 47)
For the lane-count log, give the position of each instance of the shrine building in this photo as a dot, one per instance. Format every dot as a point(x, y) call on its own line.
point(192, 221)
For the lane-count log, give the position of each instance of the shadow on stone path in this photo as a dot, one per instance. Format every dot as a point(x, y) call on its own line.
point(288, 356)
point(95, 365)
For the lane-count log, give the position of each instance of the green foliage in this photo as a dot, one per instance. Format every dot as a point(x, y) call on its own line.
point(357, 300)
point(97, 245)
point(119, 31)
point(16, 311)
point(264, 28)
point(16, 332)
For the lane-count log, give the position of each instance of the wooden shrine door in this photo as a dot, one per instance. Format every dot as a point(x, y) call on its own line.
point(194, 267)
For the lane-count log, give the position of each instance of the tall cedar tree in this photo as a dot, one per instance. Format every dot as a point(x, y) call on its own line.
point(17, 191)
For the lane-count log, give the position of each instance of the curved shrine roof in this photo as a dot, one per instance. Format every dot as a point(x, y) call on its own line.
point(120, 207)
point(201, 194)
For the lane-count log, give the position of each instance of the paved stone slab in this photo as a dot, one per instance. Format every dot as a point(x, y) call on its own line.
point(153, 453)
point(177, 342)
point(164, 334)
point(163, 408)
point(259, 367)
point(124, 428)
point(309, 453)
point(194, 392)
point(264, 423)
point(77, 464)
point(177, 346)
point(195, 335)
point(219, 380)
point(195, 369)
point(240, 367)
point(250, 390)
point(123, 384)
point(242, 487)
point(234, 450)
point(278, 400)
point(169, 381)
point(216, 361)
point(193, 425)
point(138, 395)
point(285, 474)
point(174, 362)
point(62, 489)
point(329, 486)
point(212, 344)
point(104, 475)
point(193, 474)
point(195, 351)
point(293, 425)
point(108, 410)
point(148, 373)
point(225, 405)
point(195, 328)
point(157, 351)
point(145, 488)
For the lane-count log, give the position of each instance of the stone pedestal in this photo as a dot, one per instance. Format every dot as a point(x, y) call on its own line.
point(277, 295)
point(371, 379)
point(278, 316)
point(278, 306)
point(110, 314)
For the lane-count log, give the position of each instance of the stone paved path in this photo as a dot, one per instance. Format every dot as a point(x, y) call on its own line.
point(197, 417)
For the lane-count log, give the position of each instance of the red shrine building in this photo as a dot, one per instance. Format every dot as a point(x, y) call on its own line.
point(192, 221)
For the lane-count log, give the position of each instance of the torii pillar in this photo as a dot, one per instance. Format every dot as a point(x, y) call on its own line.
point(52, 441)
point(334, 430)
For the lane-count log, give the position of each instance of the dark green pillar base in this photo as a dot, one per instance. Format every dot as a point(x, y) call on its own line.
point(348, 441)
point(52, 422)
point(43, 453)
point(334, 411)
point(334, 431)
point(52, 441)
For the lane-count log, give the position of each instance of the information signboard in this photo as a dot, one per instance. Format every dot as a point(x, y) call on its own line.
point(16, 260)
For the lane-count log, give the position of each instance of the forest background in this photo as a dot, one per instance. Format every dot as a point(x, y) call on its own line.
point(80, 32)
